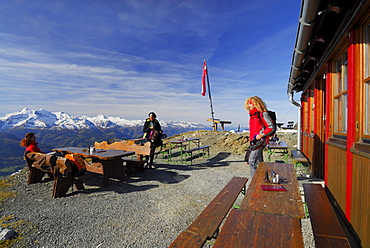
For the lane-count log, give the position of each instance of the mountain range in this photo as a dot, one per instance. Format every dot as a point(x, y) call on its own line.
point(59, 129)
point(43, 119)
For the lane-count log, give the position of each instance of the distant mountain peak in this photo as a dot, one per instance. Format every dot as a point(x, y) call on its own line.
point(43, 119)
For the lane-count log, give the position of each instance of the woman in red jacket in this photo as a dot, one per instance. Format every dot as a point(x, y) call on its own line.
point(30, 143)
point(260, 127)
point(78, 166)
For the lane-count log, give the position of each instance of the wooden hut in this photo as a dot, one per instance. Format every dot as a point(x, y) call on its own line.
point(331, 70)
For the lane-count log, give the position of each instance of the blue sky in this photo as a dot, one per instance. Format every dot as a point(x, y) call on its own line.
point(127, 58)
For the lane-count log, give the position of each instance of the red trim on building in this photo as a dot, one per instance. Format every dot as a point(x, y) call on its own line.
point(328, 99)
point(351, 117)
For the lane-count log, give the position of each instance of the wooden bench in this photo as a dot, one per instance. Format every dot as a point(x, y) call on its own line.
point(141, 149)
point(299, 157)
point(126, 145)
point(133, 165)
point(206, 225)
point(189, 152)
point(326, 227)
point(57, 168)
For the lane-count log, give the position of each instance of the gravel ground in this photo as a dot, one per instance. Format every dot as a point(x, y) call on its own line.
point(149, 209)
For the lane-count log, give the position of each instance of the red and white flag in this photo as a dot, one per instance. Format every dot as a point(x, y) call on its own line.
point(204, 75)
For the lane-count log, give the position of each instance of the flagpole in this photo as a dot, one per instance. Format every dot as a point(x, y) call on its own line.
point(210, 100)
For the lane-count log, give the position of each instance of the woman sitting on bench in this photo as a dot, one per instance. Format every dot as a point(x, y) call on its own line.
point(31, 146)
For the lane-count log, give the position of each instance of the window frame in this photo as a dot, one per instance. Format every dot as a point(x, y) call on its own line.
point(340, 95)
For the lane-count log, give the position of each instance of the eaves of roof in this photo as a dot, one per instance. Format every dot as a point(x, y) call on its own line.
point(321, 25)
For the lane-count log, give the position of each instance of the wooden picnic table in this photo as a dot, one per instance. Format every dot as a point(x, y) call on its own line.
point(222, 123)
point(182, 143)
point(110, 163)
point(288, 203)
point(266, 218)
point(277, 147)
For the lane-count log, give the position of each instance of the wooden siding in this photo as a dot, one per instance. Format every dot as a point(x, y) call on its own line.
point(346, 154)
point(337, 175)
point(319, 129)
point(360, 210)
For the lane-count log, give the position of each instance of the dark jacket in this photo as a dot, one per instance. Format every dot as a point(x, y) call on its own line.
point(147, 129)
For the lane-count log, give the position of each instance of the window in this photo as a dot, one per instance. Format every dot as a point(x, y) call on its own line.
point(340, 95)
point(367, 52)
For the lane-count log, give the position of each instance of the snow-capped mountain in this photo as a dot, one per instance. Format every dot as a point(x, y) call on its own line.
point(43, 119)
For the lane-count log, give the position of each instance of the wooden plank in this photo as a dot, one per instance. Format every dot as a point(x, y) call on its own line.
point(299, 157)
point(125, 145)
point(325, 224)
point(219, 121)
point(287, 203)
point(188, 239)
point(196, 149)
point(245, 228)
point(94, 167)
point(279, 145)
point(211, 217)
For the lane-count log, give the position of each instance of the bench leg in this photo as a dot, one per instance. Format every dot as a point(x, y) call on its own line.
point(207, 152)
point(35, 175)
point(78, 184)
point(190, 156)
point(269, 154)
point(166, 154)
point(61, 184)
point(286, 158)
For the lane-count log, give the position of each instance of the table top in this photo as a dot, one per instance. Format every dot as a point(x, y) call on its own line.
point(179, 141)
point(99, 153)
point(288, 203)
point(245, 228)
point(279, 145)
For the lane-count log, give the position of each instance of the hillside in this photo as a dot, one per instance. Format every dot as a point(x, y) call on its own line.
point(11, 154)
point(233, 142)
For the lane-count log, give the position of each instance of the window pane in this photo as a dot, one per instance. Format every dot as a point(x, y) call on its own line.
point(344, 111)
point(338, 78)
point(340, 95)
point(336, 115)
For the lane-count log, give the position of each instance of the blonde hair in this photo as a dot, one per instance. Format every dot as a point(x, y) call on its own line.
point(257, 102)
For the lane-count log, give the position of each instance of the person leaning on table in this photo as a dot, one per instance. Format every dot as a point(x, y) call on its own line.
point(260, 127)
point(151, 125)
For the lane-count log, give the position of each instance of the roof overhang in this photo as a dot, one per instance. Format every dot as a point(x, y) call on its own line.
point(322, 24)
